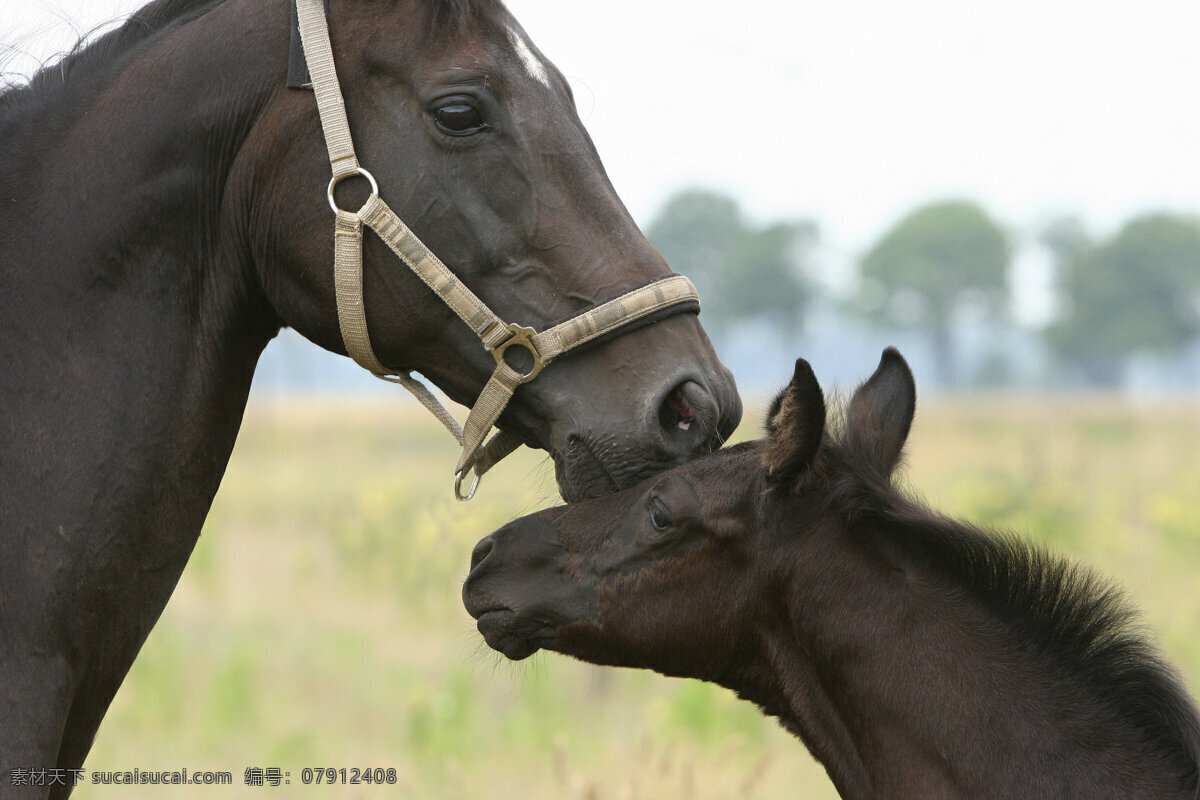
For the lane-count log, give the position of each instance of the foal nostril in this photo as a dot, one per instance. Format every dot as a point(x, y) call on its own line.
point(481, 552)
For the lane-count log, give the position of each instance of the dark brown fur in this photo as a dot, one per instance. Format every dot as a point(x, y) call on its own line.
point(163, 215)
point(916, 656)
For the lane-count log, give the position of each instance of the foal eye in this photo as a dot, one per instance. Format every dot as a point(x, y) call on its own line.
point(459, 118)
point(660, 517)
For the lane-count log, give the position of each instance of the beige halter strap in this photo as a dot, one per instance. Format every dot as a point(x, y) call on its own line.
point(497, 335)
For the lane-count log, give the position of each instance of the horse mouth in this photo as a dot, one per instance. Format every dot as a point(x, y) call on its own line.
point(589, 467)
point(502, 630)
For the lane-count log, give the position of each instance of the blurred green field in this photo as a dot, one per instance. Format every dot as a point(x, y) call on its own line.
point(319, 623)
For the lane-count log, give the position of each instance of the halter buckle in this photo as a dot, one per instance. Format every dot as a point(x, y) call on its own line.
point(521, 336)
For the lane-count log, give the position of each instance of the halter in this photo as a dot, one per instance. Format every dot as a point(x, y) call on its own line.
point(664, 296)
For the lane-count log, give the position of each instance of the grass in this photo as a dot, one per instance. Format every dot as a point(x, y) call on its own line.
point(319, 623)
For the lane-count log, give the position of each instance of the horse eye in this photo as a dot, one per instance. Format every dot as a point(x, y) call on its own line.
point(660, 518)
point(459, 119)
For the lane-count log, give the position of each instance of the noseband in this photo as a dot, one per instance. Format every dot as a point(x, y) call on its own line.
point(668, 295)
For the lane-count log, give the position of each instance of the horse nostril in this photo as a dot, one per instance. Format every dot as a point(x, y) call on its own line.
point(481, 552)
point(686, 417)
point(683, 414)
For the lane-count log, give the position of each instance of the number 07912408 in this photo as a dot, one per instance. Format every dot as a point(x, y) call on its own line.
point(342, 775)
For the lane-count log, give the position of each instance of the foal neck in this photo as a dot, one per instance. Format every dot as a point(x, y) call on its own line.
point(918, 666)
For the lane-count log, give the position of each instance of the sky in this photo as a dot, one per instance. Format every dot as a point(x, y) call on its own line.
point(851, 113)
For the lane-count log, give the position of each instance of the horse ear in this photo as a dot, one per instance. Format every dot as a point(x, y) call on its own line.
point(881, 414)
point(795, 426)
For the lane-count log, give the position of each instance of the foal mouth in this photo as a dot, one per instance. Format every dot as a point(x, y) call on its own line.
point(500, 628)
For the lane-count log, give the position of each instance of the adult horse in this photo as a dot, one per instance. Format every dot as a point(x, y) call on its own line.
point(165, 213)
point(915, 656)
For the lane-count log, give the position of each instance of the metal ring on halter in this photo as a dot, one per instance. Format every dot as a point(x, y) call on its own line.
point(336, 179)
point(521, 336)
point(458, 476)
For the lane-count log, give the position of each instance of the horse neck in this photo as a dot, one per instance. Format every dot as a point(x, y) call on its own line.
point(130, 314)
point(901, 688)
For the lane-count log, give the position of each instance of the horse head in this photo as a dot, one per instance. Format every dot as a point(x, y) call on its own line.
point(166, 211)
point(474, 140)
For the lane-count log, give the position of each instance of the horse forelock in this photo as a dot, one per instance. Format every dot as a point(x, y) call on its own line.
point(452, 16)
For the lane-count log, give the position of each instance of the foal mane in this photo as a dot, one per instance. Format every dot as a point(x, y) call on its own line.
point(1060, 609)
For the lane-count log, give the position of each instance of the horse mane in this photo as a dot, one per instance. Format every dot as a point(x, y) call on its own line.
point(89, 55)
point(1058, 609)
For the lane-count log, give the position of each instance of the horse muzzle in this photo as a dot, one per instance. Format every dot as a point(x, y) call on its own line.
point(596, 451)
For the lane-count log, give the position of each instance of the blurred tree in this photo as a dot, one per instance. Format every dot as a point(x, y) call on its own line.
point(929, 265)
point(1139, 291)
point(741, 271)
point(1066, 238)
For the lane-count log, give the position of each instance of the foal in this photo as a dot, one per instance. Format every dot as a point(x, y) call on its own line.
point(915, 656)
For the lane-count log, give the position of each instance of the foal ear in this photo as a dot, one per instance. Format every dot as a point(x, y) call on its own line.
point(795, 426)
point(881, 414)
